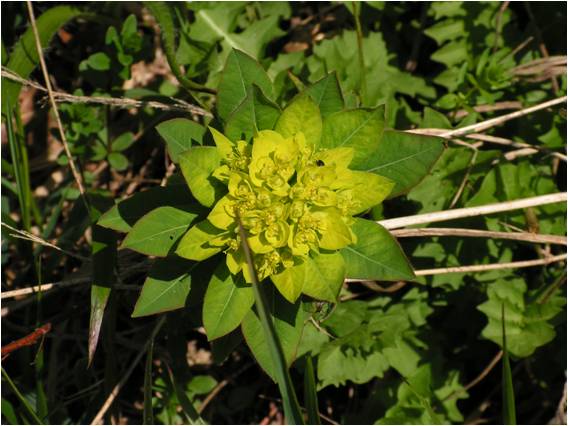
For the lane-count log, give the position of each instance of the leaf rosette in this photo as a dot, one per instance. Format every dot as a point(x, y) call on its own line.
point(295, 198)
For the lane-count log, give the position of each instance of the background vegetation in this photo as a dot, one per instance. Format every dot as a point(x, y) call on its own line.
point(408, 352)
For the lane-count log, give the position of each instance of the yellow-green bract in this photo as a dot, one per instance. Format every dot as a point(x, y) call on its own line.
point(296, 204)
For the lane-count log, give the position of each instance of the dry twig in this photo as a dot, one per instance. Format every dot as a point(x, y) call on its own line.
point(490, 266)
point(460, 232)
point(479, 378)
point(509, 142)
point(176, 105)
point(487, 124)
point(401, 222)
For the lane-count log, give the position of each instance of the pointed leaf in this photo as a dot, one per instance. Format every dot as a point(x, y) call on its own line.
point(195, 245)
point(255, 113)
point(104, 254)
point(180, 134)
point(197, 165)
point(324, 277)
point(227, 300)
point(326, 93)
point(361, 129)
point(240, 72)
point(166, 287)
point(290, 282)
point(301, 115)
point(405, 158)
point(127, 212)
point(157, 232)
point(376, 255)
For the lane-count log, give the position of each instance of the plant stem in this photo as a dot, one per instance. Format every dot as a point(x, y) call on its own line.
point(363, 86)
point(21, 397)
point(292, 410)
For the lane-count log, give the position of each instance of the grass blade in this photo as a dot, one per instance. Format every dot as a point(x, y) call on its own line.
point(19, 156)
point(21, 397)
point(509, 412)
point(148, 414)
point(292, 410)
point(310, 393)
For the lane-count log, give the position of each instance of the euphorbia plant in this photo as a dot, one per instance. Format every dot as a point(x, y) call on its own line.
point(300, 180)
point(296, 201)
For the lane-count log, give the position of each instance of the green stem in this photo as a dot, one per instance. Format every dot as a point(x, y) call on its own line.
point(292, 410)
point(21, 397)
point(363, 86)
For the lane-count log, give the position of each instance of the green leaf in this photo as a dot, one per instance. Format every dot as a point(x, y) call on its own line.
point(255, 113)
point(405, 158)
point(301, 115)
point(345, 359)
point(509, 412)
point(227, 300)
point(197, 165)
point(326, 93)
point(195, 245)
point(166, 287)
point(376, 255)
point(127, 212)
point(99, 61)
point(24, 57)
point(527, 321)
point(158, 231)
point(290, 282)
point(288, 320)
point(360, 128)
point(324, 276)
point(240, 72)
point(104, 255)
point(123, 142)
point(180, 134)
point(310, 393)
point(118, 161)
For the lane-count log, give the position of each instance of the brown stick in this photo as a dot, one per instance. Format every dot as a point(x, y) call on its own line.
point(461, 232)
point(479, 378)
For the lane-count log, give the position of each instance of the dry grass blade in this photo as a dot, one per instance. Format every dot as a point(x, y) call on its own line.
point(34, 238)
point(176, 105)
point(462, 232)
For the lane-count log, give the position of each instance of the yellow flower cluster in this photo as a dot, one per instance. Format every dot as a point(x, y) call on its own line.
point(291, 199)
